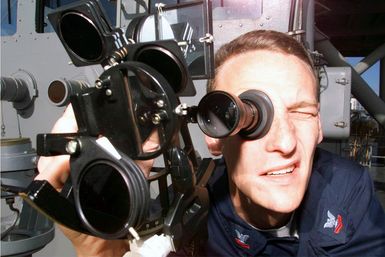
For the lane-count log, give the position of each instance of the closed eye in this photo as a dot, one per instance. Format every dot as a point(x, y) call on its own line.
point(303, 110)
point(304, 115)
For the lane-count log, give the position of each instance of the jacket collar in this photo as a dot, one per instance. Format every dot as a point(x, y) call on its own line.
point(245, 239)
point(321, 219)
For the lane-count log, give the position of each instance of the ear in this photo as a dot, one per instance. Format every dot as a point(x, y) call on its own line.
point(320, 133)
point(214, 145)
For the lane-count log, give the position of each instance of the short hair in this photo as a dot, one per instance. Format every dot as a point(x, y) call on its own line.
point(260, 40)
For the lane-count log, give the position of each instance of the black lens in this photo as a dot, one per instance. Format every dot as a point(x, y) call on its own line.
point(166, 64)
point(104, 198)
point(218, 115)
point(81, 36)
point(57, 91)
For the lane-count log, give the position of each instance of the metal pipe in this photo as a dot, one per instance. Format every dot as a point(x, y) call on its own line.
point(382, 79)
point(13, 89)
point(118, 13)
point(309, 26)
point(60, 91)
point(360, 89)
point(39, 16)
point(371, 59)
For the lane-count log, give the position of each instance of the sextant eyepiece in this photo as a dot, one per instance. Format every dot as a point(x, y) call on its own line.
point(221, 114)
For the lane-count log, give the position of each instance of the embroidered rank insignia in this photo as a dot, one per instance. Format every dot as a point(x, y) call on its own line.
point(333, 222)
point(241, 240)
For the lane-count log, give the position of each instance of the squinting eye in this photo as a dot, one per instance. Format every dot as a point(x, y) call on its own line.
point(302, 115)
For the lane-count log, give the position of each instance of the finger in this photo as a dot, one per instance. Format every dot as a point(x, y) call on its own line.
point(145, 166)
point(87, 245)
point(66, 123)
point(150, 145)
point(55, 169)
point(152, 142)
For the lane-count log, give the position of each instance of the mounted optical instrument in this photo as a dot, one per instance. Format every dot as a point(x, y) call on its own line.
point(133, 102)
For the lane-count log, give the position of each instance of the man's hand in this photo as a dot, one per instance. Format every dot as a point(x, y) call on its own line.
point(56, 170)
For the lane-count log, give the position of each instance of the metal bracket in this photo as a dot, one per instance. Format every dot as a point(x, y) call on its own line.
point(209, 39)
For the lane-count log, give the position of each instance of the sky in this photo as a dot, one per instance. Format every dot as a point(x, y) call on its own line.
point(371, 76)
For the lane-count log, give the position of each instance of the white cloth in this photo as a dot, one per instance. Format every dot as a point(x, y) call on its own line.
point(155, 246)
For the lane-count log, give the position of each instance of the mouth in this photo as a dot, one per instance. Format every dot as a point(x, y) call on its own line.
point(282, 169)
point(281, 172)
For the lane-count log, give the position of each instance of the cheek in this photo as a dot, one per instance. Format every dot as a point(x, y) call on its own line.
point(242, 159)
point(308, 138)
point(234, 152)
point(308, 132)
point(229, 144)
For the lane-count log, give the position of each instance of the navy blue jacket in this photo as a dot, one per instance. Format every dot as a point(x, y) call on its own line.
point(339, 216)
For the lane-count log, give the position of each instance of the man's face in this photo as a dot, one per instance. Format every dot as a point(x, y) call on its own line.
point(272, 172)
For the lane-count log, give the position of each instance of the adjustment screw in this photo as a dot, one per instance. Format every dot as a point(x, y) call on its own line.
point(108, 92)
point(160, 103)
point(103, 83)
point(72, 147)
point(157, 118)
point(98, 84)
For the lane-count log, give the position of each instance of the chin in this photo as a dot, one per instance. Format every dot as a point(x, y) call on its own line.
point(286, 209)
point(284, 205)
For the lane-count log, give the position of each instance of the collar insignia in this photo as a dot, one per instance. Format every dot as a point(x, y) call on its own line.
point(333, 222)
point(241, 240)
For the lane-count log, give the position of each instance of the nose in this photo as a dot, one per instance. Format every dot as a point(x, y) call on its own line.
point(281, 137)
